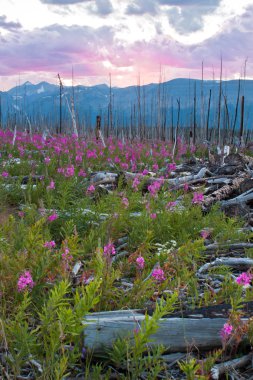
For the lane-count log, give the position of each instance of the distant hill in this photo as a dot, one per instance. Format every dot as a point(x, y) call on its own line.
point(149, 105)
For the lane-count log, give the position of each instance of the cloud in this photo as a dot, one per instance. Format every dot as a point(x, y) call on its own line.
point(140, 7)
point(55, 48)
point(187, 16)
point(102, 7)
point(94, 52)
point(9, 25)
point(64, 2)
point(180, 3)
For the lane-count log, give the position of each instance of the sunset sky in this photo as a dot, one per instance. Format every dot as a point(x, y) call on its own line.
point(127, 38)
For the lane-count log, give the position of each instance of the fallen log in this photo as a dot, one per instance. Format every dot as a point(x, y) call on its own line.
point(224, 192)
point(229, 246)
point(242, 198)
point(233, 262)
point(220, 369)
point(172, 181)
point(176, 334)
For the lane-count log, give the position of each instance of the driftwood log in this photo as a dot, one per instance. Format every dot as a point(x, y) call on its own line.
point(176, 334)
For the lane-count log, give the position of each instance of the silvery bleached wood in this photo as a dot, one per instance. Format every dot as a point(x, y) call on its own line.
point(227, 261)
point(176, 334)
point(222, 368)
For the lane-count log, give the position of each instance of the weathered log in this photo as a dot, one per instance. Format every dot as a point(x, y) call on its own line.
point(223, 192)
point(220, 369)
point(233, 262)
point(228, 246)
point(172, 181)
point(176, 334)
point(242, 198)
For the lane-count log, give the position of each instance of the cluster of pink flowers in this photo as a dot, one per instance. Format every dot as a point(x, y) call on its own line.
point(170, 206)
point(50, 244)
point(91, 154)
point(158, 275)
point(226, 331)
point(81, 173)
point(52, 217)
point(47, 160)
point(154, 188)
point(91, 189)
point(172, 167)
point(25, 281)
point(109, 249)
point(205, 233)
point(140, 261)
point(198, 198)
point(135, 184)
point(244, 279)
point(66, 257)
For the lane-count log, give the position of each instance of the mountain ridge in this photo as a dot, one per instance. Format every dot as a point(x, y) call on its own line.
point(147, 104)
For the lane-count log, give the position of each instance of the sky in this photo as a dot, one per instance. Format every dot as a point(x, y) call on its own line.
point(133, 41)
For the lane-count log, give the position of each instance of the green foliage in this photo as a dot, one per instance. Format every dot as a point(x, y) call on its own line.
point(136, 354)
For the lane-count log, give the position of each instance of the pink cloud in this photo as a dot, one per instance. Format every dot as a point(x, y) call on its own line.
point(42, 53)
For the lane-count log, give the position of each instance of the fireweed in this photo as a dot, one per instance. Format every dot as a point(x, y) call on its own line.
point(48, 317)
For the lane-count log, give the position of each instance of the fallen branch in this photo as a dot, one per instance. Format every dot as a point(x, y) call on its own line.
point(220, 369)
point(233, 262)
point(215, 246)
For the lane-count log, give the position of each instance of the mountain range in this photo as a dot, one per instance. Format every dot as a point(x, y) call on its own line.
point(179, 101)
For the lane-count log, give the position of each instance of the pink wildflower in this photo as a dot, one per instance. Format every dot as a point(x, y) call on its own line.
point(109, 249)
point(140, 262)
point(52, 217)
point(135, 184)
point(172, 167)
point(125, 202)
point(205, 233)
point(244, 279)
point(5, 174)
point(91, 154)
point(69, 171)
point(154, 188)
point(21, 214)
point(170, 205)
point(66, 257)
point(25, 281)
point(153, 215)
point(198, 198)
point(226, 331)
point(158, 274)
point(124, 165)
point(50, 244)
point(51, 186)
point(82, 173)
point(79, 158)
point(47, 160)
point(91, 189)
